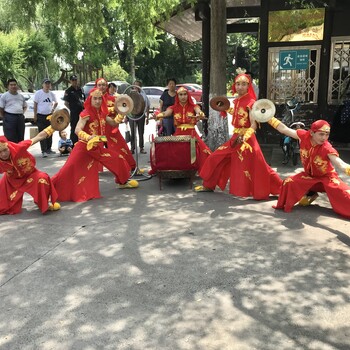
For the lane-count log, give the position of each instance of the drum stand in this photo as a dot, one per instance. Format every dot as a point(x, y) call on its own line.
point(137, 172)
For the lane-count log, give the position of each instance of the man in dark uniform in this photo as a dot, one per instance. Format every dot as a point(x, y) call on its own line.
point(74, 100)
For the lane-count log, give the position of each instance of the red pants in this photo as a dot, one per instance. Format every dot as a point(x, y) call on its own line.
point(78, 179)
point(295, 187)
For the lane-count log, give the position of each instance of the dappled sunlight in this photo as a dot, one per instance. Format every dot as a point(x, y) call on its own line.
point(173, 269)
point(111, 250)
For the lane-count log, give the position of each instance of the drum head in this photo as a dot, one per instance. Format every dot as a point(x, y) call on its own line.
point(263, 110)
point(220, 103)
point(139, 102)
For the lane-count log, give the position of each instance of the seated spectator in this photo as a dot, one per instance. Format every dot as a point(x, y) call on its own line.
point(65, 145)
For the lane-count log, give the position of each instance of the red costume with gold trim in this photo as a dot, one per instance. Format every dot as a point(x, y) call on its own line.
point(185, 120)
point(319, 175)
point(115, 139)
point(78, 179)
point(243, 164)
point(22, 176)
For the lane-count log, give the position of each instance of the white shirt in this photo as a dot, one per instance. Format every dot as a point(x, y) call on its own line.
point(45, 101)
point(13, 103)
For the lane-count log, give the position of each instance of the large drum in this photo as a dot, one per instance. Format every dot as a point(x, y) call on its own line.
point(174, 153)
point(174, 157)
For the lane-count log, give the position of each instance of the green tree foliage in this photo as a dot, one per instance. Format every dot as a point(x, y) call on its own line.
point(114, 72)
point(173, 59)
point(11, 57)
point(244, 48)
point(283, 23)
point(38, 56)
point(104, 31)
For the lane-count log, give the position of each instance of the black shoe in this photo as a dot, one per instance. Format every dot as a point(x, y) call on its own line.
point(50, 151)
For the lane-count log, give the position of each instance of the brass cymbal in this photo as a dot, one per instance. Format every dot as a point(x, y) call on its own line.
point(263, 110)
point(220, 103)
point(124, 104)
point(60, 119)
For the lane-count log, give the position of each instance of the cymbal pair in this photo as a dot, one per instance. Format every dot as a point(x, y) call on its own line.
point(262, 110)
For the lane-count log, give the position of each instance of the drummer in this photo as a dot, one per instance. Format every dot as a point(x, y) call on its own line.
point(240, 159)
point(186, 115)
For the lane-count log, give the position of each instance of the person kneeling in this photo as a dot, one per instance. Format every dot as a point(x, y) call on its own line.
point(319, 159)
point(22, 176)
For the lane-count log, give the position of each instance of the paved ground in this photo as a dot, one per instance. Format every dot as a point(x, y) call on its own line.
point(147, 269)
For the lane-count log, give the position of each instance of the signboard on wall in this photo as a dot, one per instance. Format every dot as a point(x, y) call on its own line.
point(294, 59)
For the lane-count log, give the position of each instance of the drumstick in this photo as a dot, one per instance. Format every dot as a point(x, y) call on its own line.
point(199, 117)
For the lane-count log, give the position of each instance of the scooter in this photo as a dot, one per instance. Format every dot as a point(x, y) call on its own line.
point(291, 146)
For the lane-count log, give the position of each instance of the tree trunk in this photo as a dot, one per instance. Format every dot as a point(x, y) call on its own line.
point(217, 126)
point(132, 57)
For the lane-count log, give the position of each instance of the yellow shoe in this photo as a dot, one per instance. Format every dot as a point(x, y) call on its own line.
point(201, 188)
point(307, 200)
point(54, 207)
point(129, 184)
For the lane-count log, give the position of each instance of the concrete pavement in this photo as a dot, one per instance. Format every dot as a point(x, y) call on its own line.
point(147, 269)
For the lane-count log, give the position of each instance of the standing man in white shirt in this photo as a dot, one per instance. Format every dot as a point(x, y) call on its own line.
point(12, 108)
point(45, 103)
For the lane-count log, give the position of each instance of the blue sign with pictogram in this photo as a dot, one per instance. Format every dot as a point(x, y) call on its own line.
point(294, 59)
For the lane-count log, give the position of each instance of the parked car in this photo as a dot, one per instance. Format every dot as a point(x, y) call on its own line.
point(121, 86)
point(194, 90)
point(26, 95)
point(153, 93)
point(29, 113)
point(195, 86)
point(59, 96)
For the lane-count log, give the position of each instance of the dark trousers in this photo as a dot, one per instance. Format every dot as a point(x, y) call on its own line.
point(14, 127)
point(140, 125)
point(168, 126)
point(43, 123)
point(74, 118)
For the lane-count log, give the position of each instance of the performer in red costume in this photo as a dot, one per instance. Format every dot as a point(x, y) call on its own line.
point(78, 180)
point(22, 176)
point(115, 139)
point(240, 159)
point(186, 115)
point(319, 159)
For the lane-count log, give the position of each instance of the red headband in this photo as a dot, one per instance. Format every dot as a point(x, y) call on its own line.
point(189, 97)
point(244, 78)
point(98, 80)
point(320, 125)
